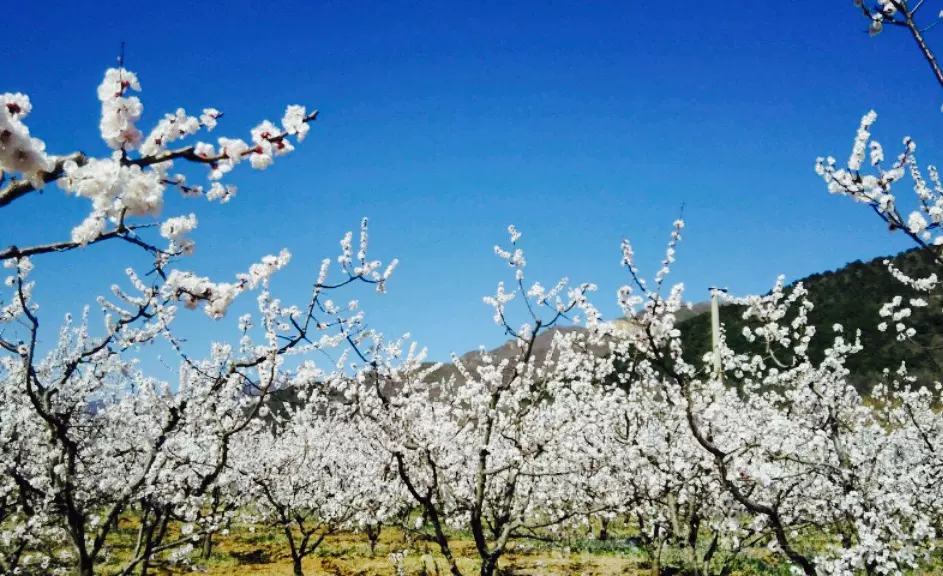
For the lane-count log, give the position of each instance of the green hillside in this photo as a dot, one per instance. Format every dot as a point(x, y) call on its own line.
point(852, 296)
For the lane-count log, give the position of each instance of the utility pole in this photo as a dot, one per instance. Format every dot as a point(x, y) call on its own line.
point(715, 330)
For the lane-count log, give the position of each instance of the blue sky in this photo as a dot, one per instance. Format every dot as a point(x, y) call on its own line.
point(579, 122)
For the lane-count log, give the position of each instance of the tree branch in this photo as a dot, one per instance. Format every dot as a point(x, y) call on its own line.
point(189, 152)
point(19, 188)
point(122, 233)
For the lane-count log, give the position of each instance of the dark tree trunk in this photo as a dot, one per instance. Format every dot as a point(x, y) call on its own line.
point(489, 565)
point(373, 536)
point(163, 518)
point(86, 566)
point(207, 546)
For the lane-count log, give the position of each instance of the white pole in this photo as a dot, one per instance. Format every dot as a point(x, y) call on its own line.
point(715, 332)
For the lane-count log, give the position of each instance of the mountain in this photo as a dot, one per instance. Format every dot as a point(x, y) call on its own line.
point(851, 296)
point(507, 351)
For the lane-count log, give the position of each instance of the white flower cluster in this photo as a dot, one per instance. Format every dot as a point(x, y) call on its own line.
point(897, 314)
point(119, 110)
point(925, 221)
point(193, 290)
point(20, 153)
point(174, 230)
point(130, 184)
point(171, 127)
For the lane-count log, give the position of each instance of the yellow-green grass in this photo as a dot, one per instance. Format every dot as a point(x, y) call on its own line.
point(260, 550)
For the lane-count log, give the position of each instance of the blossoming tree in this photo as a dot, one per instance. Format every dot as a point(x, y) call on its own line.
point(765, 449)
point(88, 435)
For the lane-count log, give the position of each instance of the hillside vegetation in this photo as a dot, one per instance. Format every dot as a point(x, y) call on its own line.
point(851, 296)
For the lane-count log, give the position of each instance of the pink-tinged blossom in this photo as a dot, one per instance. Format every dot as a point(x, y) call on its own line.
point(120, 111)
point(20, 153)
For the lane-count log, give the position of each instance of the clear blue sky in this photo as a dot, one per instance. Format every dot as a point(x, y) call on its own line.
point(444, 122)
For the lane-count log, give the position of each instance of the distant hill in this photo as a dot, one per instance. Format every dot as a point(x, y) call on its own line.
point(851, 296)
point(507, 351)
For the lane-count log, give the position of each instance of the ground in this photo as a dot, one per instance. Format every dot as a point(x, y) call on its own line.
point(264, 552)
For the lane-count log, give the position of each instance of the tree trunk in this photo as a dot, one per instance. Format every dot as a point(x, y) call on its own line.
point(373, 536)
point(208, 539)
point(603, 528)
point(694, 526)
point(489, 565)
point(207, 546)
point(296, 553)
point(163, 517)
point(656, 562)
point(86, 566)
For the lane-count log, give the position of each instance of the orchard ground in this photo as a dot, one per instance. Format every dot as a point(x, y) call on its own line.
point(261, 550)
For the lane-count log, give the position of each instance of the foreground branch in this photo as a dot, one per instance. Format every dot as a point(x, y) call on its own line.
point(19, 188)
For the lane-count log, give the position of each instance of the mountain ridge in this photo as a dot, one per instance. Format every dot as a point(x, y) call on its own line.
point(851, 295)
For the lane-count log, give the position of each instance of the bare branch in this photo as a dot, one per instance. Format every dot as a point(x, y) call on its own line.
point(123, 232)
